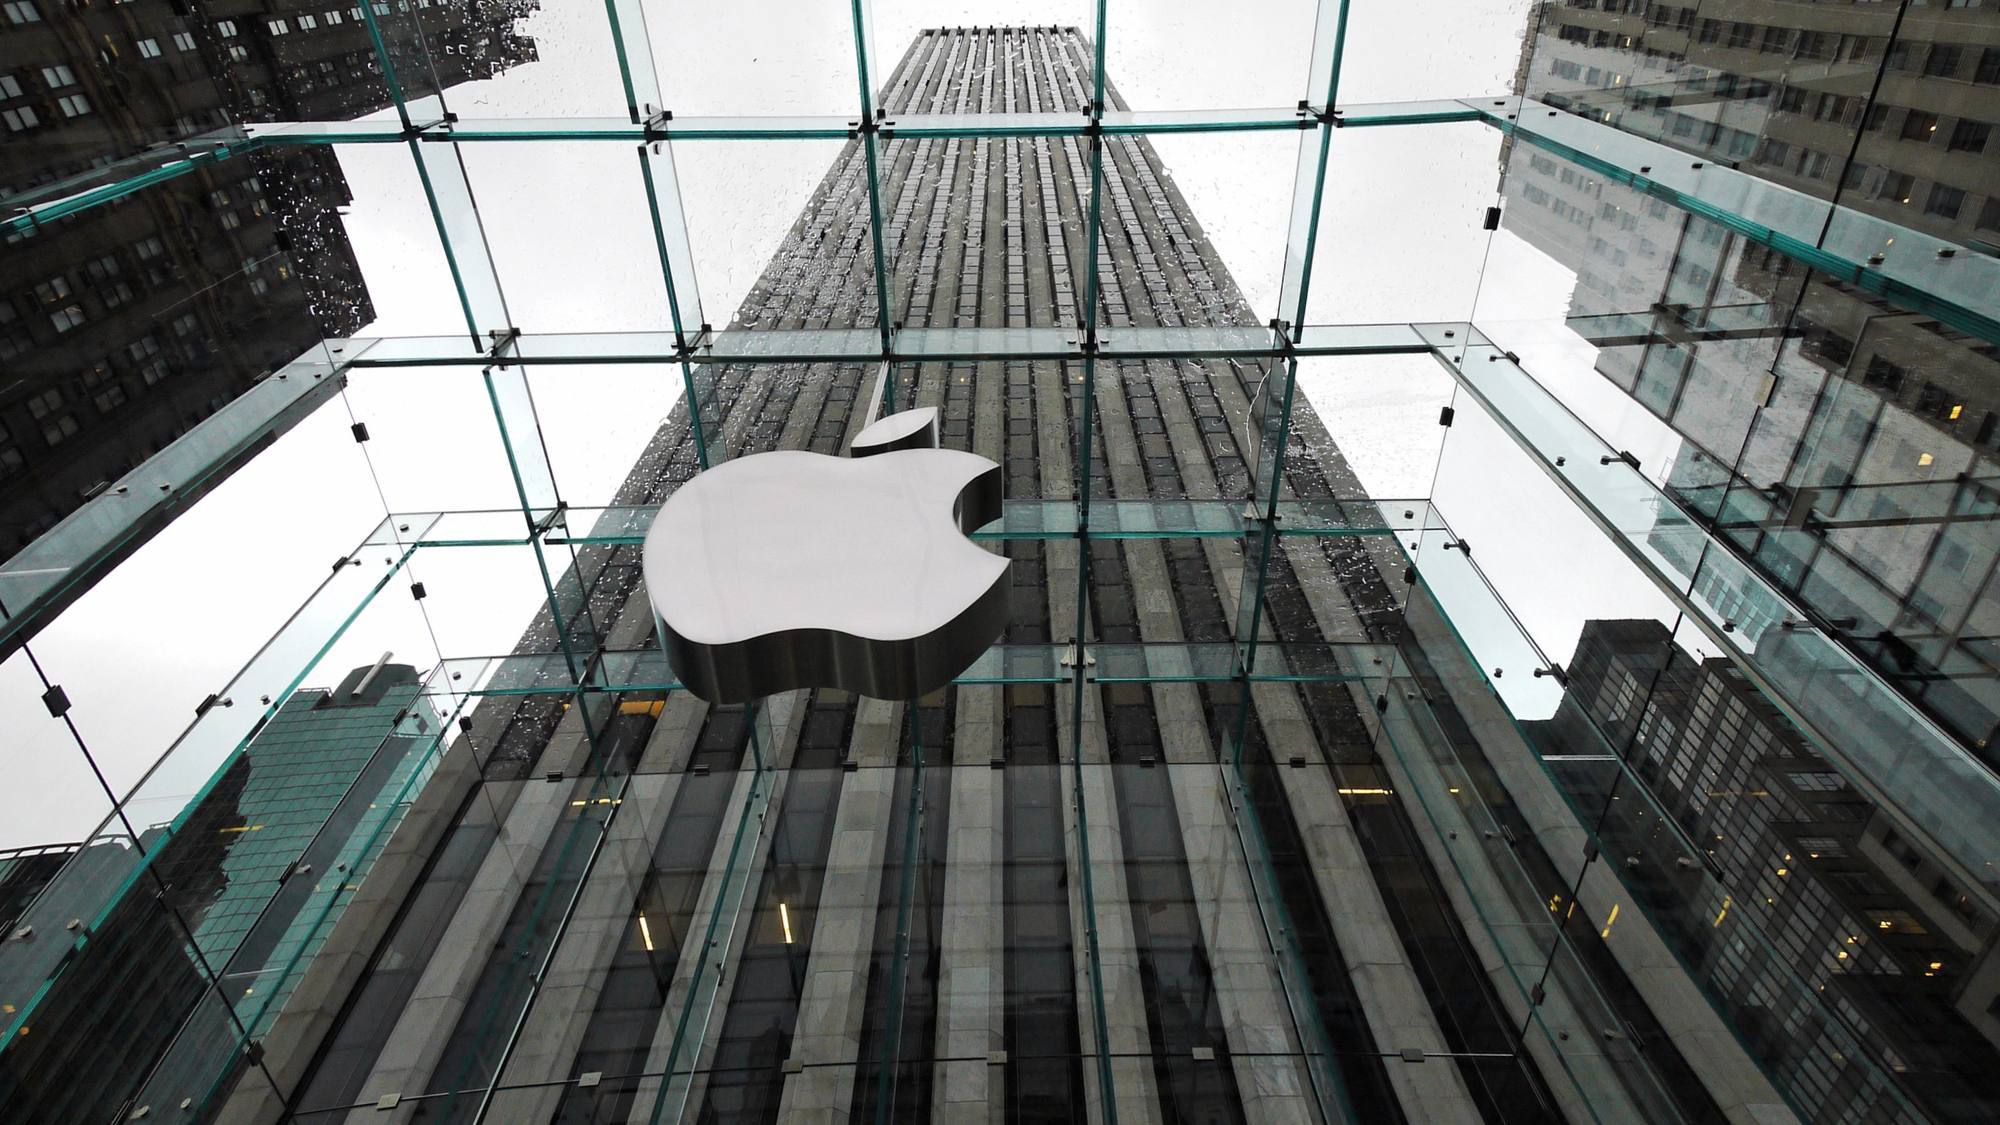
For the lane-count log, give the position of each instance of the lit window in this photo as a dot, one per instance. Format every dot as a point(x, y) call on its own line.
point(307, 23)
point(183, 41)
point(58, 76)
point(333, 18)
point(66, 319)
point(9, 86)
point(229, 220)
point(154, 371)
point(259, 286)
point(75, 105)
point(278, 27)
point(238, 53)
point(54, 289)
point(21, 118)
point(22, 11)
point(148, 48)
point(225, 28)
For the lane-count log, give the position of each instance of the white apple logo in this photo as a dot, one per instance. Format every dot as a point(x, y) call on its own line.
point(791, 569)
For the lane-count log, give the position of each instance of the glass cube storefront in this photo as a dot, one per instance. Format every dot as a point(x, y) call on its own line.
point(1477, 651)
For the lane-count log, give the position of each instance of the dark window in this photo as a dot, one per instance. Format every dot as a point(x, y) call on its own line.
point(1711, 30)
point(1742, 34)
point(1944, 201)
point(1989, 215)
point(1970, 136)
point(1899, 56)
point(1989, 67)
point(1934, 401)
point(1792, 100)
point(1918, 125)
point(1896, 186)
point(1876, 115)
point(1882, 375)
point(1943, 61)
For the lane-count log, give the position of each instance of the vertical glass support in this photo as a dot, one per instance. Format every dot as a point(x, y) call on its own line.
point(864, 57)
point(1085, 413)
point(464, 239)
point(1309, 183)
point(635, 57)
point(663, 197)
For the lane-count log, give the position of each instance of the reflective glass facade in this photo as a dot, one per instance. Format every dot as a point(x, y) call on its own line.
point(1635, 768)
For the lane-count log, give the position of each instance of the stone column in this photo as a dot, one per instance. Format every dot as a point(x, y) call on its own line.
point(972, 1015)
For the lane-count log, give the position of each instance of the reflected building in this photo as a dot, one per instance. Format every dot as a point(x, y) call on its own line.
point(124, 326)
point(246, 881)
point(1808, 886)
point(1846, 446)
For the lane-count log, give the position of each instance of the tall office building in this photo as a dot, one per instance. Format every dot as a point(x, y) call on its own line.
point(124, 326)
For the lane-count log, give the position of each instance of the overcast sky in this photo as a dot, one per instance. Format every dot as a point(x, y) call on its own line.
point(1401, 242)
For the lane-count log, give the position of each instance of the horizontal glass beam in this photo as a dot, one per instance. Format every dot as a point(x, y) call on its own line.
point(1020, 519)
point(1886, 746)
point(68, 559)
point(1904, 265)
point(909, 345)
point(647, 670)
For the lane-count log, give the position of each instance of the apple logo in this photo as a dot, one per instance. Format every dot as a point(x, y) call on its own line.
point(790, 569)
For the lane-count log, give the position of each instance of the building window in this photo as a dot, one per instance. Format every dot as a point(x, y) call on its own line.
point(10, 87)
point(333, 18)
point(278, 27)
point(183, 41)
point(58, 76)
point(53, 290)
point(14, 343)
point(1882, 375)
point(20, 118)
point(60, 430)
point(154, 372)
point(1855, 173)
point(115, 295)
point(143, 347)
point(1774, 152)
point(66, 318)
point(259, 287)
point(1988, 70)
point(22, 11)
point(11, 462)
point(1918, 125)
point(1970, 136)
point(109, 399)
point(225, 28)
point(237, 53)
point(1896, 186)
point(1989, 215)
point(307, 22)
point(185, 323)
point(1943, 60)
point(148, 248)
point(148, 48)
point(1899, 56)
point(230, 220)
point(75, 105)
point(1944, 201)
point(45, 404)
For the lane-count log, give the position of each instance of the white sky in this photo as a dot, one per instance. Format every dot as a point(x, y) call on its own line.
point(1400, 241)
